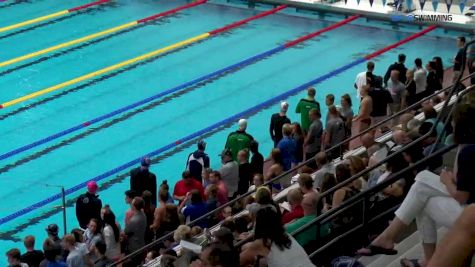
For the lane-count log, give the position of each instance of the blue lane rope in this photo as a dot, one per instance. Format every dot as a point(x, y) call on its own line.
point(244, 113)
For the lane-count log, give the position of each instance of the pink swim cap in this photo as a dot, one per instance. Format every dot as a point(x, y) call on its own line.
point(92, 187)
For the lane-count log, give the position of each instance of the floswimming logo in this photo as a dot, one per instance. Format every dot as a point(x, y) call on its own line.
point(421, 18)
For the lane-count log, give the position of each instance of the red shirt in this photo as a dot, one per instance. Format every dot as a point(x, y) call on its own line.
point(292, 215)
point(222, 193)
point(181, 188)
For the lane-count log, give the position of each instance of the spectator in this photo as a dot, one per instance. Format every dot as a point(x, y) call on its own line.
point(460, 59)
point(430, 115)
point(364, 117)
point(92, 235)
point(370, 144)
point(245, 172)
point(329, 181)
point(288, 147)
point(439, 69)
point(142, 179)
point(400, 139)
point(164, 186)
point(186, 185)
point(305, 182)
point(149, 211)
point(324, 166)
point(76, 256)
point(271, 242)
point(357, 165)
point(276, 168)
point(52, 230)
point(14, 258)
point(420, 79)
point(32, 257)
point(217, 255)
point(88, 205)
point(229, 173)
point(399, 66)
point(411, 88)
point(298, 137)
point(471, 62)
point(397, 91)
point(361, 78)
point(195, 209)
point(335, 133)
point(222, 194)
point(304, 106)
point(101, 258)
point(257, 160)
point(313, 140)
point(238, 140)
point(277, 121)
point(198, 161)
point(135, 230)
point(294, 197)
point(257, 181)
point(433, 82)
point(111, 234)
point(129, 197)
point(346, 113)
point(404, 120)
point(343, 173)
point(329, 101)
point(381, 99)
point(52, 254)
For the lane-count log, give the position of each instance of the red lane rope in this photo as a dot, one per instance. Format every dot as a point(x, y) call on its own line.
point(171, 11)
point(88, 5)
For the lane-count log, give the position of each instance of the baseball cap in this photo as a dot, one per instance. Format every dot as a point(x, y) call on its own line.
point(145, 162)
point(226, 152)
point(92, 187)
point(52, 229)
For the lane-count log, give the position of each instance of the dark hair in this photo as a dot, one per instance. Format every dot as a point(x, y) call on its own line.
point(254, 146)
point(342, 172)
point(147, 198)
point(433, 65)
point(51, 250)
point(138, 203)
point(77, 234)
point(196, 197)
point(172, 217)
point(229, 224)
point(370, 65)
point(109, 219)
point(418, 62)
point(298, 128)
point(426, 127)
point(186, 175)
point(14, 253)
point(464, 128)
point(101, 247)
point(396, 163)
point(461, 39)
point(439, 64)
point(241, 224)
point(268, 226)
point(131, 193)
point(98, 224)
point(222, 255)
point(29, 241)
point(429, 112)
point(347, 98)
point(305, 180)
point(401, 58)
point(331, 97)
point(164, 185)
point(163, 195)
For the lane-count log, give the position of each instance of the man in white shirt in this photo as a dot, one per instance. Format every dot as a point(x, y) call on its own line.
point(420, 76)
point(361, 78)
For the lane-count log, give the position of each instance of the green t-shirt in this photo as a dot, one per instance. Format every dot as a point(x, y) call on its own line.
point(238, 141)
point(308, 235)
point(303, 107)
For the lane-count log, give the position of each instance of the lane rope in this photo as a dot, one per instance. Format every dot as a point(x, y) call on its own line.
point(232, 118)
point(50, 16)
point(99, 34)
point(183, 86)
point(139, 58)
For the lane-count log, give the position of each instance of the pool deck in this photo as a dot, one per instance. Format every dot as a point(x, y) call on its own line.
point(459, 20)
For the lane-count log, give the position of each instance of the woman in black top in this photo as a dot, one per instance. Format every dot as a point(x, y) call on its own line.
point(439, 70)
point(297, 135)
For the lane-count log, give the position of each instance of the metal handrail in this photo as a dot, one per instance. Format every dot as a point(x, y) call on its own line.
point(295, 168)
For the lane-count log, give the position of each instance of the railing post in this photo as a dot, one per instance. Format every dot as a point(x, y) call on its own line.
point(63, 197)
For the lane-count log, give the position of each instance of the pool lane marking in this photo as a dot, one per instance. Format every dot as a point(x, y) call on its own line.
point(232, 118)
point(50, 16)
point(183, 86)
point(99, 34)
point(140, 58)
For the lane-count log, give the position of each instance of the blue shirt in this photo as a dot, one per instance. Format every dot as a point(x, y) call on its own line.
point(288, 148)
point(194, 211)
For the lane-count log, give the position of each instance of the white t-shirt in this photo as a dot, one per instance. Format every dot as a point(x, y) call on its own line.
point(420, 77)
point(360, 82)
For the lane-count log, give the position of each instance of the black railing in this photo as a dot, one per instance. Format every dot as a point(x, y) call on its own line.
point(296, 168)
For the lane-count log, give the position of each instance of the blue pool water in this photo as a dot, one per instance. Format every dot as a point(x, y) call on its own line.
point(34, 175)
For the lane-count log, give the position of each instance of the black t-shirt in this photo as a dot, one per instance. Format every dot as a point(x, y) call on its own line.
point(459, 60)
point(32, 258)
point(257, 163)
point(381, 98)
point(141, 180)
point(465, 171)
point(245, 177)
point(433, 83)
point(276, 123)
point(399, 67)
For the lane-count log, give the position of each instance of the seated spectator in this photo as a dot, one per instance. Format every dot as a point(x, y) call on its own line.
point(13, 257)
point(329, 181)
point(217, 255)
point(164, 186)
point(224, 236)
point(32, 257)
point(306, 183)
point(215, 179)
point(287, 147)
point(273, 244)
point(186, 185)
point(241, 230)
point(430, 115)
point(229, 173)
point(263, 200)
point(257, 181)
point(294, 198)
point(245, 172)
point(111, 235)
point(195, 209)
point(324, 166)
point(429, 144)
point(92, 235)
point(276, 168)
point(101, 258)
point(357, 165)
point(343, 173)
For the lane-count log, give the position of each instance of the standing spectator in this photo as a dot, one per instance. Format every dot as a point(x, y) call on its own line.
point(76, 256)
point(334, 132)
point(287, 147)
point(185, 185)
point(329, 101)
point(52, 254)
point(439, 69)
point(111, 234)
point(229, 173)
point(276, 168)
point(411, 88)
point(149, 211)
point(239, 139)
point(294, 197)
point(324, 166)
point(135, 230)
point(164, 186)
point(277, 121)
point(297, 135)
point(304, 106)
point(245, 172)
point(53, 234)
point(14, 258)
point(460, 59)
point(366, 105)
point(433, 82)
point(397, 89)
point(215, 179)
point(129, 196)
point(100, 252)
point(92, 235)
point(313, 140)
point(257, 160)
point(361, 78)
point(195, 209)
point(399, 66)
point(198, 161)
point(88, 205)
point(32, 257)
point(346, 112)
point(419, 77)
point(381, 99)
point(142, 179)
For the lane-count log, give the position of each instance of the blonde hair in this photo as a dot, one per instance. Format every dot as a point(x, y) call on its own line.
point(183, 232)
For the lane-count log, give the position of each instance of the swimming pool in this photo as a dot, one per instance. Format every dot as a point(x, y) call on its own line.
point(33, 175)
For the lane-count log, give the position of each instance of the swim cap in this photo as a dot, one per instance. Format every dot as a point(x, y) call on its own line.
point(145, 162)
point(92, 187)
